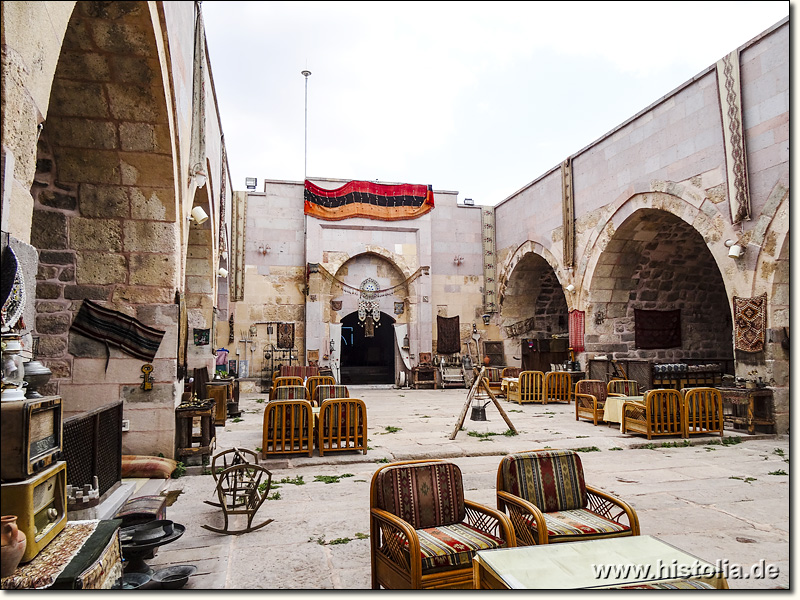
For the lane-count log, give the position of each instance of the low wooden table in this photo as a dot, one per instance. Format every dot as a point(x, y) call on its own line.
point(573, 565)
point(742, 406)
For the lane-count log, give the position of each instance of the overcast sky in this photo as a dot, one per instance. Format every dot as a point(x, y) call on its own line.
point(476, 97)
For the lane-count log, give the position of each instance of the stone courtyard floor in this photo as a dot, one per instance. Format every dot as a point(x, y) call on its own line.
point(717, 499)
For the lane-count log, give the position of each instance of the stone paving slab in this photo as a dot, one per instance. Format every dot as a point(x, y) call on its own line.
point(713, 499)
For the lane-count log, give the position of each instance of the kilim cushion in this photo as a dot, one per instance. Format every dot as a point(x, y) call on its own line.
point(331, 391)
point(290, 392)
point(453, 546)
point(550, 479)
point(594, 387)
point(579, 524)
point(493, 374)
point(423, 494)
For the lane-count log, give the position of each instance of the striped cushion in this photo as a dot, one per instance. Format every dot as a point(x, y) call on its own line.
point(453, 546)
point(594, 387)
point(290, 392)
point(493, 374)
point(581, 523)
point(423, 494)
point(298, 371)
point(550, 479)
point(331, 391)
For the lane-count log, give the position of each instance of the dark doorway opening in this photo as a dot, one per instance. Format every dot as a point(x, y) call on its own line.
point(367, 360)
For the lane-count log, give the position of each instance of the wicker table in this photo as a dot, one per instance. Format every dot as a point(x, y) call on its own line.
point(572, 565)
point(742, 406)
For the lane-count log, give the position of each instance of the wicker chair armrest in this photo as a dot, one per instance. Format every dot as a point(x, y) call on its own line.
point(520, 513)
point(612, 508)
point(491, 521)
point(397, 541)
point(615, 394)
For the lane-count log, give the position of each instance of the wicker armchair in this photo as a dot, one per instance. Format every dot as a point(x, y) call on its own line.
point(590, 399)
point(317, 380)
point(659, 414)
point(342, 425)
point(530, 388)
point(702, 411)
point(547, 500)
point(557, 387)
point(624, 387)
point(323, 392)
point(281, 381)
point(288, 428)
point(423, 533)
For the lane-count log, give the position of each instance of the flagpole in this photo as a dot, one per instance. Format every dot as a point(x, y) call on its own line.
point(305, 73)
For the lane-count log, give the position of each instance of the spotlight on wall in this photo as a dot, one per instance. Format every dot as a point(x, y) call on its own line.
point(457, 259)
point(265, 249)
point(250, 183)
point(198, 215)
point(222, 272)
point(571, 288)
point(223, 255)
point(199, 174)
point(735, 249)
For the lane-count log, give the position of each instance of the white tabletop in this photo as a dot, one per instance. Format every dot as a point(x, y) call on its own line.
point(574, 565)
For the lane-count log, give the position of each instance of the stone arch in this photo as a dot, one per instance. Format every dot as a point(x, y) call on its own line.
point(531, 298)
point(105, 213)
point(656, 259)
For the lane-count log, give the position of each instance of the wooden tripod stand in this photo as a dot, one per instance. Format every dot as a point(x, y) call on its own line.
point(480, 383)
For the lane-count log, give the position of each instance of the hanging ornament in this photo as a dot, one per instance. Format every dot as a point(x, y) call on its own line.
point(368, 305)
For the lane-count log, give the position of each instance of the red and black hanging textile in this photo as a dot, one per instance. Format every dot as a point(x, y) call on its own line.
point(370, 200)
point(577, 325)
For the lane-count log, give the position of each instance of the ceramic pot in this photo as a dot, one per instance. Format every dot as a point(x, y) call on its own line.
point(12, 545)
point(486, 360)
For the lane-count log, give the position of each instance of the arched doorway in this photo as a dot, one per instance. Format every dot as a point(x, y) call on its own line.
point(367, 354)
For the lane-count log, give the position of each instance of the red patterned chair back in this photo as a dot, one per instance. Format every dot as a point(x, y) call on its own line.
point(626, 387)
point(290, 392)
point(552, 480)
point(594, 387)
point(331, 391)
point(426, 494)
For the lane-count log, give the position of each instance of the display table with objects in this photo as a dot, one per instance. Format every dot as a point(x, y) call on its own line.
point(640, 561)
point(85, 555)
point(748, 407)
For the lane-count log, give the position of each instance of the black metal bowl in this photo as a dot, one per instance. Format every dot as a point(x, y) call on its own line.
point(175, 577)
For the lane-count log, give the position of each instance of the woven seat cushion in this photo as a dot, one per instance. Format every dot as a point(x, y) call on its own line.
point(325, 392)
point(583, 523)
point(552, 480)
point(423, 494)
point(290, 392)
point(493, 374)
point(453, 546)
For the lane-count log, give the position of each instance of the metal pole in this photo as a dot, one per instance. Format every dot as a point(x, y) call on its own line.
point(305, 74)
point(302, 361)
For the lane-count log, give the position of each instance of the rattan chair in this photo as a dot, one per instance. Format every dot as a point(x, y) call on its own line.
point(590, 399)
point(317, 380)
point(624, 387)
point(342, 425)
point(702, 412)
point(281, 381)
point(547, 500)
point(557, 387)
point(659, 414)
point(288, 428)
point(324, 392)
point(423, 532)
point(530, 388)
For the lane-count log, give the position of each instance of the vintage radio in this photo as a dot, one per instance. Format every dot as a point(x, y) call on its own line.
point(31, 431)
point(40, 504)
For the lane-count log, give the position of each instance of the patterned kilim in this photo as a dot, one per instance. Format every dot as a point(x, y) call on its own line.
point(368, 199)
point(425, 495)
point(581, 522)
point(577, 327)
point(657, 328)
point(750, 322)
point(118, 330)
point(53, 559)
point(452, 546)
point(448, 336)
point(286, 335)
point(298, 371)
point(552, 480)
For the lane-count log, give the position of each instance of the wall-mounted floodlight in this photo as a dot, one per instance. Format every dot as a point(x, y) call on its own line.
point(250, 183)
point(223, 272)
point(571, 288)
point(735, 249)
point(198, 215)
